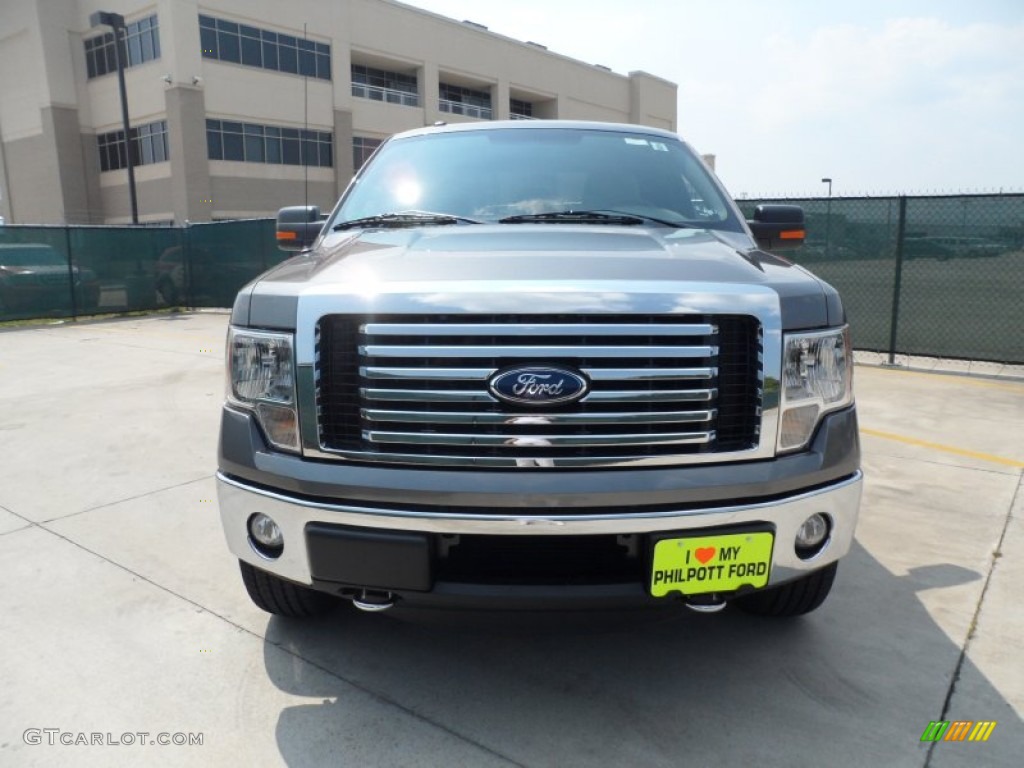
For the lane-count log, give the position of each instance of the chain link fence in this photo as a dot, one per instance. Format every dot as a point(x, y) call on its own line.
point(83, 270)
point(933, 276)
point(937, 276)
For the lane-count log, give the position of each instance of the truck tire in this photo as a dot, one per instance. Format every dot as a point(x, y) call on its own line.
point(168, 292)
point(793, 599)
point(283, 598)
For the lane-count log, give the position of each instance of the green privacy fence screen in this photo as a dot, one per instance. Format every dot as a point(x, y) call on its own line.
point(938, 276)
point(80, 270)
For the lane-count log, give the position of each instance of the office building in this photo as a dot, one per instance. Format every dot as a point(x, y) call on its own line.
point(238, 107)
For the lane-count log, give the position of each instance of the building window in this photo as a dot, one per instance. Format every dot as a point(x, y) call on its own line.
point(381, 85)
point(142, 42)
point(465, 101)
point(520, 110)
point(149, 145)
point(362, 148)
point(254, 47)
point(252, 143)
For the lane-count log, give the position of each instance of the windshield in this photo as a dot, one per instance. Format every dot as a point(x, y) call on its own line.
point(31, 257)
point(489, 175)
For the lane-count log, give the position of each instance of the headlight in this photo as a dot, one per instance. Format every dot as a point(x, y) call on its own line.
point(817, 377)
point(261, 378)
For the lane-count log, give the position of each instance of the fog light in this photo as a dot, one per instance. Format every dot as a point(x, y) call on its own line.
point(812, 535)
point(265, 535)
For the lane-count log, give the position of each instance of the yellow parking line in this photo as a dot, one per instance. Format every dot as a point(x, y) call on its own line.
point(944, 448)
point(136, 333)
point(953, 377)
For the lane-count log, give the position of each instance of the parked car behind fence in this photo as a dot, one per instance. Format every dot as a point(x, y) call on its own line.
point(36, 276)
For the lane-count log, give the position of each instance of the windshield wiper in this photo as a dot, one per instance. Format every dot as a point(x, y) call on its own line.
point(603, 216)
point(573, 217)
point(404, 219)
point(645, 217)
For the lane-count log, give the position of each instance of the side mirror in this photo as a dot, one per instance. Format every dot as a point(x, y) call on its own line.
point(298, 227)
point(778, 226)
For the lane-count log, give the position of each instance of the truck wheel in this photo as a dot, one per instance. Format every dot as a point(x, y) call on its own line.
point(793, 599)
point(281, 597)
point(168, 292)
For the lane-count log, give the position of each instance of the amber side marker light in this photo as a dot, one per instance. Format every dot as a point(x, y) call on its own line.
point(287, 235)
point(792, 234)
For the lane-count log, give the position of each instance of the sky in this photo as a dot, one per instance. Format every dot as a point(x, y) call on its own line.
point(883, 96)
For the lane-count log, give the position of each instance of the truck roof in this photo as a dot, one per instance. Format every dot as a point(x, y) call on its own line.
point(533, 125)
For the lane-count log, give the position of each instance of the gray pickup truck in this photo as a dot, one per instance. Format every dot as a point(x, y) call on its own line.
point(538, 365)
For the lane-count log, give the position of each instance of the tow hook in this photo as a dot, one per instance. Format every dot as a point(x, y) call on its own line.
point(705, 603)
point(373, 601)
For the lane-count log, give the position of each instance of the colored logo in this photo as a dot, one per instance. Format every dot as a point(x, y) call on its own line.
point(538, 385)
point(958, 730)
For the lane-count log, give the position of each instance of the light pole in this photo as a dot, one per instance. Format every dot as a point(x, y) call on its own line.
point(116, 22)
point(828, 216)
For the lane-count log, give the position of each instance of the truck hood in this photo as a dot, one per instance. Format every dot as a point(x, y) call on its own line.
point(529, 262)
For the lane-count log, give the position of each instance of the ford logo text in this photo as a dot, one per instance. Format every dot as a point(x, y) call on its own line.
point(538, 385)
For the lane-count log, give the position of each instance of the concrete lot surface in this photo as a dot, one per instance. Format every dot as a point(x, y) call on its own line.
point(122, 612)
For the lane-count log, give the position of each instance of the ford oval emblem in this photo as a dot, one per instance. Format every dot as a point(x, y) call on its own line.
point(538, 385)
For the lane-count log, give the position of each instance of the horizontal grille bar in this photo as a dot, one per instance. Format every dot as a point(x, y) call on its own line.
point(482, 374)
point(553, 419)
point(656, 395)
point(476, 396)
point(533, 352)
point(537, 441)
point(537, 329)
point(428, 395)
point(418, 374)
point(649, 374)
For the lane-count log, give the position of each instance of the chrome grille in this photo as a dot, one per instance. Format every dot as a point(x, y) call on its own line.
point(398, 388)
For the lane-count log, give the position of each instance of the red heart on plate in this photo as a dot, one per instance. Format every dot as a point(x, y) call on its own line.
point(704, 553)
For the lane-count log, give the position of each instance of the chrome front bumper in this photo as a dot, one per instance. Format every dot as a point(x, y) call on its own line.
point(239, 500)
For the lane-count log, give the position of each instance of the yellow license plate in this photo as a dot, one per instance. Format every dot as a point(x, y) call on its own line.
point(704, 564)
